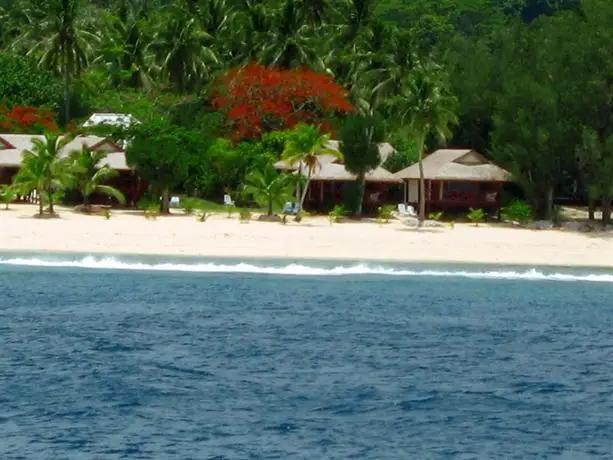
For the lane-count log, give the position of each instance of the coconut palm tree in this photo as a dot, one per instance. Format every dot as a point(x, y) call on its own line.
point(270, 188)
point(90, 176)
point(60, 40)
point(426, 107)
point(304, 145)
point(7, 194)
point(290, 42)
point(44, 170)
point(125, 43)
point(182, 49)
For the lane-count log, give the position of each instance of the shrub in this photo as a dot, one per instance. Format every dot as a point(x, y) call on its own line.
point(244, 215)
point(203, 216)
point(476, 216)
point(436, 216)
point(337, 213)
point(105, 212)
point(386, 213)
point(517, 211)
point(152, 212)
point(191, 205)
point(7, 194)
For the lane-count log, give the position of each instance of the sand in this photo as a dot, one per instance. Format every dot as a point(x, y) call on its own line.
point(130, 233)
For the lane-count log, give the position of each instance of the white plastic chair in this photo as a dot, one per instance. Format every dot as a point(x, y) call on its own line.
point(227, 200)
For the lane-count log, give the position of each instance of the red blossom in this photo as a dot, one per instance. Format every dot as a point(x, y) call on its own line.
point(257, 99)
point(26, 120)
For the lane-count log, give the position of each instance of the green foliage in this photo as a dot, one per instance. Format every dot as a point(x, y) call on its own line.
point(191, 205)
point(269, 188)
point(90, 176)
point(476, 216)
point(23, 83)
point(359, 139)
point(203, 216)
point(337, 213)
point(244, 215)
point(436, 216)
point(7, 194)
point(105, 212)
point(517, 211)
point(162, 154)
point(385, 213)
point(44, 170)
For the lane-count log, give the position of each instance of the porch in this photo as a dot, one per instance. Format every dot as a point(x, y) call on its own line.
point(443, 195)
point(323, 196)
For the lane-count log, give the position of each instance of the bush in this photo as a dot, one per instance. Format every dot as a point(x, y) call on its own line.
point(191, 205)
point(476, 216)
point(386, 213)
point(436, 216)
point(517, 211)
point(105, 212)
point(337, 213)
point(203, 216)
point(244, 215)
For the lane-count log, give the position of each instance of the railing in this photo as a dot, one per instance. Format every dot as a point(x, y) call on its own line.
point(467, 196)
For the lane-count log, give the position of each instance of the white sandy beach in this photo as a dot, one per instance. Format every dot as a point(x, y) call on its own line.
point(130, 233)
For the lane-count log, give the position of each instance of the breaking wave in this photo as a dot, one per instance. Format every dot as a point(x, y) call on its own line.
point(296, 269)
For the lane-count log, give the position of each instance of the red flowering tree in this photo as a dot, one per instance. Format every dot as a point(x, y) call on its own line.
point(27, 120)
point(258, 99)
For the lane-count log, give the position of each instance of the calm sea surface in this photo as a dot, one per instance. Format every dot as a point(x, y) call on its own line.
point(140, 364)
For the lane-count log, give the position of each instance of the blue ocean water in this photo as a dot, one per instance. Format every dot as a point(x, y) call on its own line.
point(112, 358)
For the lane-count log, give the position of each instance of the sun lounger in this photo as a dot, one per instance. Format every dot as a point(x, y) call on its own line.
point(227, 200)
point(406, 210)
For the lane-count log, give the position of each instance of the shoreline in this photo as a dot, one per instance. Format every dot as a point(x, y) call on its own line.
point(130, 234)
point(248, 259)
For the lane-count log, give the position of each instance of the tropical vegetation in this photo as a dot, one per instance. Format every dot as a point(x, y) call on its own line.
point(224, 87)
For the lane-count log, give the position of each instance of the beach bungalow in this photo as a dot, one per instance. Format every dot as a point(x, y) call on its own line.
point(455, 179)
point(12, 147)
point(331, 182)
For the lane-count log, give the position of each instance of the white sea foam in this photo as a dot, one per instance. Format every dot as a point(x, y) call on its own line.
point(111, 263)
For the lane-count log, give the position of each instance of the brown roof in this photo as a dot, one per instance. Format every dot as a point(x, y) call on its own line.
point(12, 147)
point(456, 164)
point(385, 150)
point(334, 172)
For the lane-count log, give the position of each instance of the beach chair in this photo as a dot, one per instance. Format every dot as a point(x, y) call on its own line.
point(288, 208)
point(406, 210)
point(175, 201)
point(227, 200)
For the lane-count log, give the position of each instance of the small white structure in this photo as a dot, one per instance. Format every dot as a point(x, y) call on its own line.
point(124, 120)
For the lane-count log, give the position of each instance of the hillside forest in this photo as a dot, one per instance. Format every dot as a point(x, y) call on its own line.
point(225, 86)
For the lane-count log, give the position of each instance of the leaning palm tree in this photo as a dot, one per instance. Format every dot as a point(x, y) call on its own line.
point(303, 147)
point(44, 170)
point(90, 176)
point(426, 107)
point(60, 40)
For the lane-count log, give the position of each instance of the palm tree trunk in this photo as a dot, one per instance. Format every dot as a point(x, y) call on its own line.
point(270, 205)
point(66, 87)
point(50, 198)
point(606, 210)
point(304, 191)
point(422, 182)
point(41, 209)
point(361, 180)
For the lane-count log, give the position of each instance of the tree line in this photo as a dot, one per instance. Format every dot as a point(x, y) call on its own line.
point(527, 82)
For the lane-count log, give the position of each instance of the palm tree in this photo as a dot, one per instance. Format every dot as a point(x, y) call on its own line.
point(304, 145)
point(426, 107)
point(183, 50)
point(90, 176)
point(7, 194)
point(61, 41)
point(290, 42)
point(359, 143)
point(44, 170)
point(270, 188)
point(124, 51)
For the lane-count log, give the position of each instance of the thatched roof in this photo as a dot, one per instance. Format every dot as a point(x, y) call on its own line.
point(385, 150)
point(12, 147)
point(456, 164)
point(334, 172)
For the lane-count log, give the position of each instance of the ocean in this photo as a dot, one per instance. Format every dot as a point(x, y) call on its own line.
point(175, 358)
